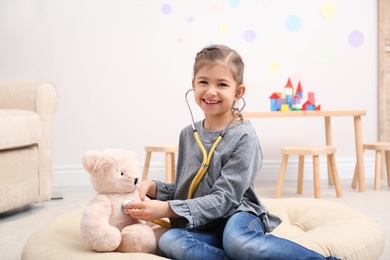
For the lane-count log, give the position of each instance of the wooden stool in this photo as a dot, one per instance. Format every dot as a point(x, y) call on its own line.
point(169, 151)
point(378, 148)
point(315, 151)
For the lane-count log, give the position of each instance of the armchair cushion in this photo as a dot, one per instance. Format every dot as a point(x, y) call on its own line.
point(19, 128)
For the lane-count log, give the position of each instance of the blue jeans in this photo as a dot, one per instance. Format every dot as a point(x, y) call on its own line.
point(239, 237)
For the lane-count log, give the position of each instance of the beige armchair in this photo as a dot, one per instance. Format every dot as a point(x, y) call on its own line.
point(26, 111)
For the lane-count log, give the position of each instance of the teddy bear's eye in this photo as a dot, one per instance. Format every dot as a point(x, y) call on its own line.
point(135, 181)
point(122, 173)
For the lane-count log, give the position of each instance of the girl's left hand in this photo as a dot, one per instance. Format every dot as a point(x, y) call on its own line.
point(149, 210)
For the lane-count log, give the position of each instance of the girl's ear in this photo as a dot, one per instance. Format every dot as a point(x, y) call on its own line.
point(240, 92)
point(193, 83)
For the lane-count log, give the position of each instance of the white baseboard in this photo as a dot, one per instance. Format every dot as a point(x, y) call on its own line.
point(75, 175)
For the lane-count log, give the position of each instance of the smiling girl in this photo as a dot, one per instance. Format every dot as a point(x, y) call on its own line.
point(224, 219)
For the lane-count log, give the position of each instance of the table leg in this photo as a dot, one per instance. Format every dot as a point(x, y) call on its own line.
point(359, 153)
point(328, 139)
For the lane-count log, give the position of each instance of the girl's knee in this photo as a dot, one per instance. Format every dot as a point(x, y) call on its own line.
point(169, 238)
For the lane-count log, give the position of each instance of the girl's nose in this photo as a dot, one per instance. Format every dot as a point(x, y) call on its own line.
point(211, 90)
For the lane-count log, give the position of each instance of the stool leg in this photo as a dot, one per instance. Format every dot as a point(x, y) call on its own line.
point(355, 176)
point(282, 172)
point(169, 162)
point(335, 174)
point(330, 173)
point(378, 162)
point(316, 169)
point(301, 164)
point(146, 166)
point(387, 158)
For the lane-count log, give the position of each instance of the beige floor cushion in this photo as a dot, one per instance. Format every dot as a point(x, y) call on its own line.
point(329, 228)
point(326, 227)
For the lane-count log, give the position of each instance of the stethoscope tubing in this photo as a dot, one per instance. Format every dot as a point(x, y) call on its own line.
point(206, 157)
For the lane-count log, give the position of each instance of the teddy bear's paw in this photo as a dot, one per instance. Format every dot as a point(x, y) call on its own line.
point(138, 238)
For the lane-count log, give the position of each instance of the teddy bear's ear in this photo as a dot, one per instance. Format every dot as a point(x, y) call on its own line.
point(91, 160)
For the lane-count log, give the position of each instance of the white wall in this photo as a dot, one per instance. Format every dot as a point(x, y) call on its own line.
point(122, 67)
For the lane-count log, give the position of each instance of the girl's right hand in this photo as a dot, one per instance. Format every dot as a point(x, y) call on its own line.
point(147, 188)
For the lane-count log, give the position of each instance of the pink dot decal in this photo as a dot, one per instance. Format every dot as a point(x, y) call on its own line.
point(249, 36)
point(355, 38)
point(166, 9)
point(265, 2)
point(214, 8)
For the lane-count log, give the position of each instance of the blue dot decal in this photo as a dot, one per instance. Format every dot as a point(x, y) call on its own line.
point(293, 23)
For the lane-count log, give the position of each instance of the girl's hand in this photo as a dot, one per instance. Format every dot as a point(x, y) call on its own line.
point(147, 188)
point(150, 210)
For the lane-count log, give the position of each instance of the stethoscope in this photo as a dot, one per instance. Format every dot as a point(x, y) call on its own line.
point(206, 157)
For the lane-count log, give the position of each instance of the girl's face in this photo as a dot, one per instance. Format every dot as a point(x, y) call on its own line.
point(216, 91)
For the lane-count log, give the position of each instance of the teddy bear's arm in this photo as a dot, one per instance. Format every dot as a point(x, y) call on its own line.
point(95, 227)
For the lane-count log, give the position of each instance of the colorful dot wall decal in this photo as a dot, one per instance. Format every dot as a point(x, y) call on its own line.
point(190, 19)
point(328, 10)
point(166, 9)
point(324, 55)
point(234, 3)
point(214, 8)
point(223, 29)
point(355, 38)
point(271, 37)
point(274, 67)
point(249, 36)
point(292, 23)
point(265, 2)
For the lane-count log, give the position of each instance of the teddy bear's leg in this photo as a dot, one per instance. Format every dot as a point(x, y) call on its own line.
point(138, 238)
point(97, 233)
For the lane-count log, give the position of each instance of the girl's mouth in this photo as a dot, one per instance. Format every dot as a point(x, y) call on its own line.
point(211, 102)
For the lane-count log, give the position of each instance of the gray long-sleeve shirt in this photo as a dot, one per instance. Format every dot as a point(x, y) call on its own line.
point(226, 188)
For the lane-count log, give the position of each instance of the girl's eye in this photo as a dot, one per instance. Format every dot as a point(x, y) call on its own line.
point(222, 85)
point(203, 82)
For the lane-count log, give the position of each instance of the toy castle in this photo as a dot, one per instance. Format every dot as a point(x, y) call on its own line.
point(291, 101)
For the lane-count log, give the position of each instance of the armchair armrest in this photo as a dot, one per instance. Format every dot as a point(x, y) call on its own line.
point(36, 96)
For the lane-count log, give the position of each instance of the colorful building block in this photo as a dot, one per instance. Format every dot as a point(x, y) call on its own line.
point(292, 100)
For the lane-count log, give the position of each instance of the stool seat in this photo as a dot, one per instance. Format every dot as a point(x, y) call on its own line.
point(378, 147)
point(314, 151)
point(169, 150)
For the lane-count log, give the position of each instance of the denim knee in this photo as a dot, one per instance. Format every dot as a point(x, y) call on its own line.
point(181, 244)
point(168, 240)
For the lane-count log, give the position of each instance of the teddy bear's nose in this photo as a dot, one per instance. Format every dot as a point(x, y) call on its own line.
point(135, 181)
